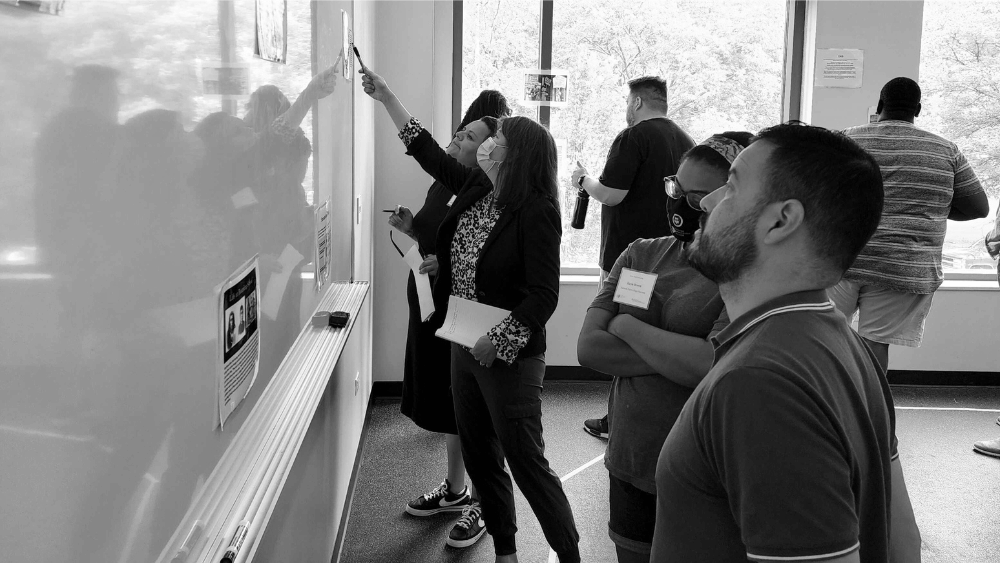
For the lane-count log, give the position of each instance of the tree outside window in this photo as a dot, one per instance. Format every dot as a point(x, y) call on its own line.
point(960, 79)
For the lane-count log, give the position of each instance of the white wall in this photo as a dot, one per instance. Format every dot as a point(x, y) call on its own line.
point(889, 34)
point(413, 38)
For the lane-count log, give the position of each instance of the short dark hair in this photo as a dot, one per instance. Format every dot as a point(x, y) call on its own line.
point(707, 155)
point(530, 164)
point(837, 182)
point(900, 95)
point(489, 103)
point(652, 90)
point(491, 122)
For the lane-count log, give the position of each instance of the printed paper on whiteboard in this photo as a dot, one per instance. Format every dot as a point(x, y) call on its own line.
point(413, 259)
point(238, 356)
point(468, 321)
point(348, 68)
point(322, 246)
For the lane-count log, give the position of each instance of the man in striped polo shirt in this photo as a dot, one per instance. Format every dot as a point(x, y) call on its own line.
point(927, 181)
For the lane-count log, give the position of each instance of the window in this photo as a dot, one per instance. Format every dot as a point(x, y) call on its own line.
point(723, 64)
point(499, 38)
point(960, 80)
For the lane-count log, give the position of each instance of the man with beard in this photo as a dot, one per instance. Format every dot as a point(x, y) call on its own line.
point(786, 450)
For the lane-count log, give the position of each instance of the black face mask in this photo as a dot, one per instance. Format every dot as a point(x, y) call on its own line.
point(684, 219)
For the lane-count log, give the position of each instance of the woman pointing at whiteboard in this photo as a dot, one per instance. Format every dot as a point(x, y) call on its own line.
point(499, 245)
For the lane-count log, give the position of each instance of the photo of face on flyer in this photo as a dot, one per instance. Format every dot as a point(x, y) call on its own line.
point(239, 316)
point(545, 88)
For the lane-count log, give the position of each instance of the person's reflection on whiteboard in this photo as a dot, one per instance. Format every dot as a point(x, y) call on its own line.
point(74, 159)
point(282, 217)
point(221, 185)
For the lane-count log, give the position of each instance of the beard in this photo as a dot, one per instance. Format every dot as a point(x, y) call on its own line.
point(724, 256)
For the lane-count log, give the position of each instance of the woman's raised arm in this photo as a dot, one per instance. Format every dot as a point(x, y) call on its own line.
point(419, 143)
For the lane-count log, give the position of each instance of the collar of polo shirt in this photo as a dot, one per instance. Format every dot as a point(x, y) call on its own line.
point(813, 300)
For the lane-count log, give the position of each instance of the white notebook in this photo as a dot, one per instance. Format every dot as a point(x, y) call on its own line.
point(468, 321)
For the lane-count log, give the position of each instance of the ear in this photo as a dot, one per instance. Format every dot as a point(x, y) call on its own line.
point(637, 103)
point(782, 220)
point(917, 113)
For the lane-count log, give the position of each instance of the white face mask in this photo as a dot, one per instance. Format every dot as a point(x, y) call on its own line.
point(490, 166)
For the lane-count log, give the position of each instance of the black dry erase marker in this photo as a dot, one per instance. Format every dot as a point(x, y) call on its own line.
point(388, 211)
point(234, 546)
point(355, 47)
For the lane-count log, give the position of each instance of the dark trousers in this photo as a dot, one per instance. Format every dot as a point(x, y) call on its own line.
point(499, 412)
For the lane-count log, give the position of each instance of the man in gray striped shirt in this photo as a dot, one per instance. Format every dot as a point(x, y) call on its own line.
point(927, 181)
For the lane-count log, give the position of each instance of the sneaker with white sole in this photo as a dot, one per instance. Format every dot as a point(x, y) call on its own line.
point(469, 528)
point(440, 499)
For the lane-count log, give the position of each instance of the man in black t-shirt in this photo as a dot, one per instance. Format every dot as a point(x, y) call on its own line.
point(634, 203)
point(631, 186)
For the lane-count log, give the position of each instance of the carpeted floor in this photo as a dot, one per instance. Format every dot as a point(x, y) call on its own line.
point(955, 492)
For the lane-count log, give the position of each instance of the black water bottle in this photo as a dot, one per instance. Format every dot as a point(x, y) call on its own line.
point(580, 209)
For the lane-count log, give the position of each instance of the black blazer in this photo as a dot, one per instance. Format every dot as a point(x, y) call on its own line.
point(518, 267)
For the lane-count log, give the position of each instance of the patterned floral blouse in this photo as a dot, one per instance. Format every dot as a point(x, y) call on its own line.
point(474, 227)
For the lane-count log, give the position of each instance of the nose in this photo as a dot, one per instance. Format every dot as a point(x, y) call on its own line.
point(709, 202)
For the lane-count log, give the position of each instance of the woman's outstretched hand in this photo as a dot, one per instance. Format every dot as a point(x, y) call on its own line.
point(374, 85)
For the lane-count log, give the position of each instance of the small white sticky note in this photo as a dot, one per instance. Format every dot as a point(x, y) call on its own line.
point(635, 288)
point(243, 198)
point(424, 294)
point(452, 200)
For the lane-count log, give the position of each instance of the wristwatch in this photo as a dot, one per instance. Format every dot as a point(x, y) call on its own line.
point(580, 181)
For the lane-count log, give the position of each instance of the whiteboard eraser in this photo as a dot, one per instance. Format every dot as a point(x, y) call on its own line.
point(321, 319)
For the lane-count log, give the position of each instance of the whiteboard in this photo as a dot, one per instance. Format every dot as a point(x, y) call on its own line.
point(125, 167)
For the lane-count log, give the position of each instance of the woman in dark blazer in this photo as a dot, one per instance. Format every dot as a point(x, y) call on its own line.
point(499, 245)
point(427, 399)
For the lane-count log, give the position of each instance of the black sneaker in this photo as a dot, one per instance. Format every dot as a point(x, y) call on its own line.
point(439, 500)
point(469, 528)
point(597, 426)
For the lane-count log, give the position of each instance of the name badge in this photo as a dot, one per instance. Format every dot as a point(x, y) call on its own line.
point(635, 288)
point(452, 200)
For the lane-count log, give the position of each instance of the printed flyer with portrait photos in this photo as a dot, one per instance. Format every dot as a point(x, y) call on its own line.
point(238, 357)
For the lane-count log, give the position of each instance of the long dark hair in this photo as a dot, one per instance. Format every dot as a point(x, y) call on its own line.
point(489, 103)
point(530, 164)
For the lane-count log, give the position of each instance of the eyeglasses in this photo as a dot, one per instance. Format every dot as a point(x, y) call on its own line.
point(674, 191)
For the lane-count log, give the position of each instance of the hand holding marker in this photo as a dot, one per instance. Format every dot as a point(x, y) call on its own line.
point(357, 54)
